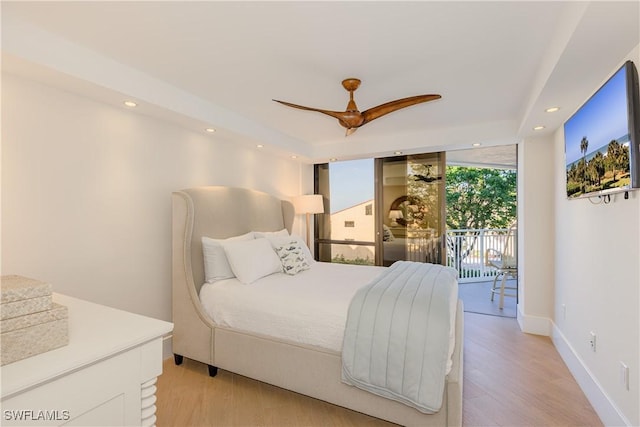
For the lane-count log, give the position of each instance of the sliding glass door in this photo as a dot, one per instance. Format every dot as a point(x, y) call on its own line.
point(383, 210)
point(411, 208)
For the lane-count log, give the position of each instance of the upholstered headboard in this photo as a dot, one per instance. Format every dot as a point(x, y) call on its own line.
point(220, 212)
point(217, 212)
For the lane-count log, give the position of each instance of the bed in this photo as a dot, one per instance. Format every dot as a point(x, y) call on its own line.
point(308, 368)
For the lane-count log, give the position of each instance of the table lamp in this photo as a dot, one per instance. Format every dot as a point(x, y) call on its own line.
point(308, 204)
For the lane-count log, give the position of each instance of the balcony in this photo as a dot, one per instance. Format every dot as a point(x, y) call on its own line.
point(466, 251)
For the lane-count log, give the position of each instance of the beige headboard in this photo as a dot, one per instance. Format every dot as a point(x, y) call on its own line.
point(217, 212)
point(220, 212)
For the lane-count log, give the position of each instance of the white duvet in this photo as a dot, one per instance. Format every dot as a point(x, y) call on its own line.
point(308, 308)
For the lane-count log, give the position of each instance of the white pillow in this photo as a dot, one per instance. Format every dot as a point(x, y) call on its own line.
point(292, 256)
point(267, 234)
point(216, 266)
point(279, 241)
point(252, 259)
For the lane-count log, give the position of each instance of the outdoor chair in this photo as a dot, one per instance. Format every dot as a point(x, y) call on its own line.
point(505, 263)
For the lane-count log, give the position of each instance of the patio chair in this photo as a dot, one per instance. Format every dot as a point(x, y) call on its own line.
point(505, 263)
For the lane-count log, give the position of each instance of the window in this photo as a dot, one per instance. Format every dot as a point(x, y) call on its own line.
point(402, 197)
point(368, 209)
point(346, 233)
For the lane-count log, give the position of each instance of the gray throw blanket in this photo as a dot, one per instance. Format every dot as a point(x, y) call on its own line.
point(396, 341)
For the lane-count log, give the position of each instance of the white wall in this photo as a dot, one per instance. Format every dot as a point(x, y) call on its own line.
point(535, 235)
point(597, 278)
point(579, 271)
point(86, 192)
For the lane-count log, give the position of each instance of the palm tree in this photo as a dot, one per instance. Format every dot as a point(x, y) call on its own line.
point(613, 155)
point(584, 145)
point(598, 167)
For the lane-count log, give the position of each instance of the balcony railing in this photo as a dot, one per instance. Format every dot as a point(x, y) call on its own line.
point(466, 251)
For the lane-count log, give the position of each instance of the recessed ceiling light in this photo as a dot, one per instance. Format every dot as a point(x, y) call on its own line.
point(397, 153)
point(538, 128)
point(130, 104)
point(294, 157)
point(259, 145)
point(333, 159)
point(552, 109)
point(476, 144)
point(210, 130)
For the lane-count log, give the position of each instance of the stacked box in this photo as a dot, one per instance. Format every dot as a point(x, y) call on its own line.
point(30, 322)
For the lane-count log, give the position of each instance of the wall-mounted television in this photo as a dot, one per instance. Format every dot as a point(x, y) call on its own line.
point(601, 139)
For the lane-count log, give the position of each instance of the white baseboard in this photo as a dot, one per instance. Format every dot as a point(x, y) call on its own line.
point(604, 407)
point(533, 324)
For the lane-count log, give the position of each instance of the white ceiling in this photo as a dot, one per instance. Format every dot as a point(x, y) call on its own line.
point(497, 65)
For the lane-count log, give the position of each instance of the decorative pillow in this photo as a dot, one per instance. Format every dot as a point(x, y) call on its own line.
point(252, 259)
point(293, 257)
point(281, 241)
point(216, 265)
point(387, 235)
point(267, 234)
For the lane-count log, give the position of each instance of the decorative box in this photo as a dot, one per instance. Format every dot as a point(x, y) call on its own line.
point(21, 295)
point(31, 323)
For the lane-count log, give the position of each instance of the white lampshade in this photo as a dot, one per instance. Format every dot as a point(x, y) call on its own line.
point(395, 214)
point(308, 203)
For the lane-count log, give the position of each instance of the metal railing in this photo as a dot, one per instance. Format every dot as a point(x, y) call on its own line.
point(466, 251)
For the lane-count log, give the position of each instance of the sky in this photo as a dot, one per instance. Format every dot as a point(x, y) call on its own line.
point(351, 182)
point(602, 118)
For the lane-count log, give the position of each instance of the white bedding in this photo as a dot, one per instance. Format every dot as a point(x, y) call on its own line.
point(397, 331)
point(309, 307)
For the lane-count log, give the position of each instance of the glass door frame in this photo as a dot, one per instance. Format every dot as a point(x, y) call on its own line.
point(418, 240)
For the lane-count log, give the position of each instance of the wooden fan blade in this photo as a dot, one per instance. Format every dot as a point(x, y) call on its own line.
point(347, 119)
point(335, 114)
point(391, 106)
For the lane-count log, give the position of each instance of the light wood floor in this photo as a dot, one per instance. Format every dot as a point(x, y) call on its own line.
point(510, 379)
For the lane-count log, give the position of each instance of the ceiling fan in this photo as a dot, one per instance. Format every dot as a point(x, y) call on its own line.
point(428, 178)
point(352, 119)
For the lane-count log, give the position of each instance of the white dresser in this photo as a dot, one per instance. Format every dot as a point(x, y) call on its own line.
point(106, 376)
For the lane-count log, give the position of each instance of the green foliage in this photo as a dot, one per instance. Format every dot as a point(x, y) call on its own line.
point(340, 259)
point(423, 209)
point(480, 198)
point(601, 171)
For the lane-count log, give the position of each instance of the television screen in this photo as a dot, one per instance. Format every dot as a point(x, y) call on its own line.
point(601, 140)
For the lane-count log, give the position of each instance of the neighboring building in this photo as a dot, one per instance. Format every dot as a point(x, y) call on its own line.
point(357, 224)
